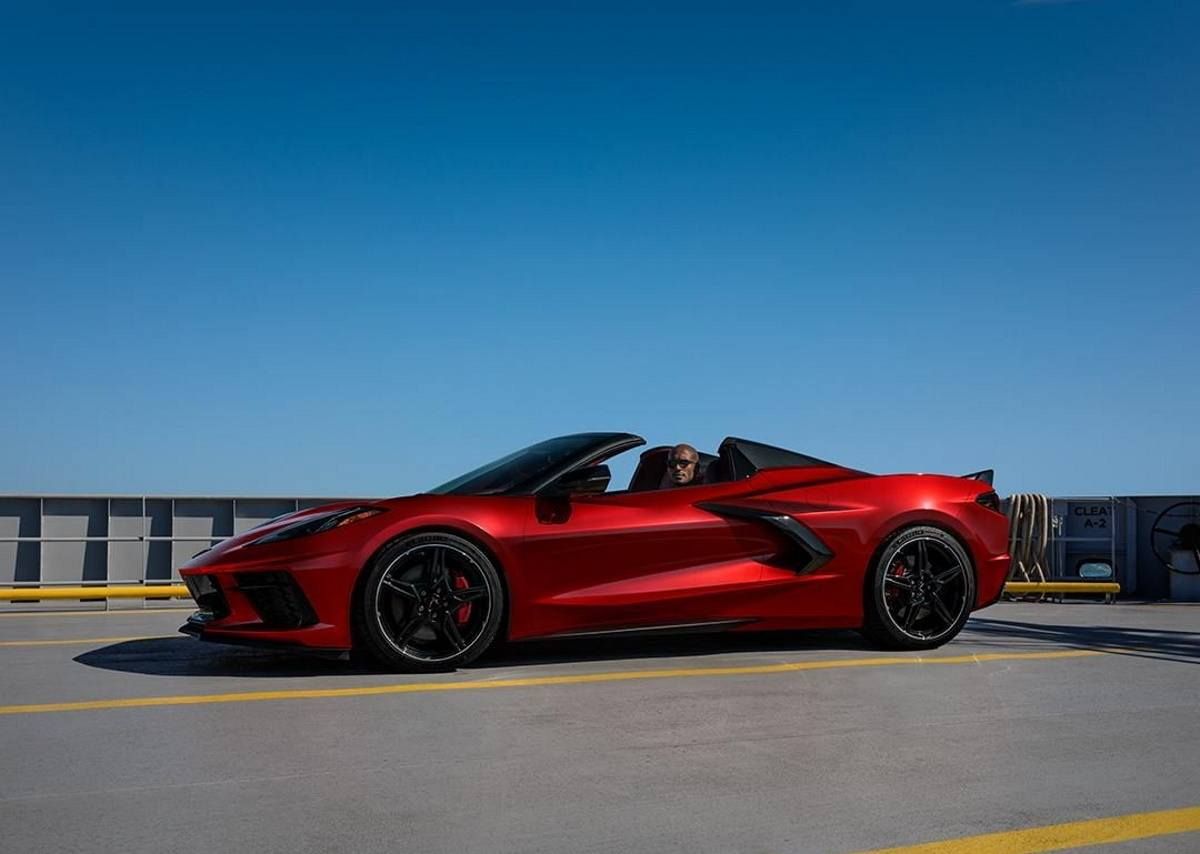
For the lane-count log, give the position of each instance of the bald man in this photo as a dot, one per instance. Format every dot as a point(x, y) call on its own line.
point(683, 461)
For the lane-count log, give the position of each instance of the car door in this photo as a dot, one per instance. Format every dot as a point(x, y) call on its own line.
point(632, 560)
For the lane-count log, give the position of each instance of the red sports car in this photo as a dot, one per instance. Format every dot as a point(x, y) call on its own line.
point(535, 545)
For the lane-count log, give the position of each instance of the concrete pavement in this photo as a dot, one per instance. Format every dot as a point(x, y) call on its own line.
point(728, 751)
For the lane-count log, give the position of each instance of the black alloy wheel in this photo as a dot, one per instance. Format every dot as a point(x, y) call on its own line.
point(921, 590)
point(431, 602)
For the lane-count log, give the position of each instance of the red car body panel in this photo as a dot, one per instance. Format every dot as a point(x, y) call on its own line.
point(627, 560)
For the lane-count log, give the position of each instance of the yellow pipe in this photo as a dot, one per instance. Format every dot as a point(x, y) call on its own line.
point(131, 591)
point(1062, 587)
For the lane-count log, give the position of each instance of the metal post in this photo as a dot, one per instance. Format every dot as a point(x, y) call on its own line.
point(145, 554)
point(41, 532)
point(108, 546)
point(1131, 529)
point(1112, 539)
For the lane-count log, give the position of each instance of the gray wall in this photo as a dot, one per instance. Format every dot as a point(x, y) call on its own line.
point(1120, 529)
point(147, 538)
point(68, 539)
point(1153, 579)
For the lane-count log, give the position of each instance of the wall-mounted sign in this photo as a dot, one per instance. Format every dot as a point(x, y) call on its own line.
point(1089, 519)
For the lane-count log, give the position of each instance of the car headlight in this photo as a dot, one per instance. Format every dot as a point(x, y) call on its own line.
point(275, 519)
point(318, 524)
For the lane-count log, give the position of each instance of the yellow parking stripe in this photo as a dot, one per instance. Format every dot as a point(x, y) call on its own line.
point(1056, 837)
point(78, 641)
point(534, 681)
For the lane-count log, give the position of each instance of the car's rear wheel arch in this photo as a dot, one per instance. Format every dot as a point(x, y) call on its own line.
point(895, 529)
point(885, 542)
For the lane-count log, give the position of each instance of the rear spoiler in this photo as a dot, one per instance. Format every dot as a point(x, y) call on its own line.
point(986, 476)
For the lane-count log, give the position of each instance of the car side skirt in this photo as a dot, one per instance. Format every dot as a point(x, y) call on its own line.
point(640, 631)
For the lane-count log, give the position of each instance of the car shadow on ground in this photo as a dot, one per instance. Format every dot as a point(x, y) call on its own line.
point(185, 656)
point(566, 651)
point(1161, 644)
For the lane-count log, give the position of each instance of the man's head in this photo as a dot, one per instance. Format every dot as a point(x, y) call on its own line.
point(682, 463)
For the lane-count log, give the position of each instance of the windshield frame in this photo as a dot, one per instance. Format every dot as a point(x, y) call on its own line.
point(507, 476)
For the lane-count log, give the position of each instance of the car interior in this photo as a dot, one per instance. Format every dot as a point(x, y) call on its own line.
point(651, 471)
point(734, 460)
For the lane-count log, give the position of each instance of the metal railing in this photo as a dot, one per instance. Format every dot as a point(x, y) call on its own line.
point(1042, 547)
point(57, 542)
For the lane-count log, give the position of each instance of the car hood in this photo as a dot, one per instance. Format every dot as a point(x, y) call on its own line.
point(246, 537)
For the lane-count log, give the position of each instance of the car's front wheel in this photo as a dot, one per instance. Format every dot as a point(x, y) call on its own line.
point(920, 590)
point(430, 602)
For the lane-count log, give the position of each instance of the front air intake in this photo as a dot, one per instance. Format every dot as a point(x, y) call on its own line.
point(207, 593)
point(277, 598)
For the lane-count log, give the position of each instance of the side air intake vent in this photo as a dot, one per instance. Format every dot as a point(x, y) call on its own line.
point(808, 551)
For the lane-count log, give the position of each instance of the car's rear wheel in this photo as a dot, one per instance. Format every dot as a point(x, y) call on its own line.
point(920, 590)
point(431, 602)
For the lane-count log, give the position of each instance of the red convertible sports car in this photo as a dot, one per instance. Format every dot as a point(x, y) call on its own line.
point(535, 545)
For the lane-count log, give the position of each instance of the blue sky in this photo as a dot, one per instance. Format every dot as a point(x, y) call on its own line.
point(358, 250)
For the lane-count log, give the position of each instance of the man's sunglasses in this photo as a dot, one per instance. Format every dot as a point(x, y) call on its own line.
point(679, 462)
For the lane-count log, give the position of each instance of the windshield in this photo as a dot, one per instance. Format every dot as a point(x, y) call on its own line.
point(511, 471)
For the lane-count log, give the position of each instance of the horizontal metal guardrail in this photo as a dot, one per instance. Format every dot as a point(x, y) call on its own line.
point(115, 552)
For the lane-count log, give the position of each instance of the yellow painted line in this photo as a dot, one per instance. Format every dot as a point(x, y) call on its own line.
point(95, 612)
point(1062, 587)
point(1056, 837)
point(128, 591)
point(533, 681)
point(77, 641)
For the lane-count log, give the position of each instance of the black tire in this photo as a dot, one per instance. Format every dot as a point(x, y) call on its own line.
point(430, 602)
point(921, 590)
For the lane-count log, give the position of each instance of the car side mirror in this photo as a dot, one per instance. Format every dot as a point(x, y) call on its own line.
point(591, 480)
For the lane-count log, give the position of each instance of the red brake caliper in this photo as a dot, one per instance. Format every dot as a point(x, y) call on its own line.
point(898, 570)
point(463, 612)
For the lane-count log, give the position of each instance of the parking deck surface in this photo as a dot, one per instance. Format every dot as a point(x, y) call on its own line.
point(120, 735)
